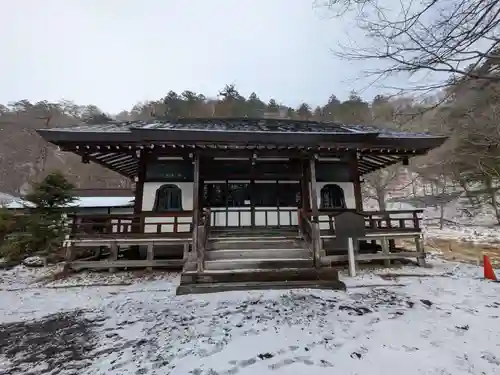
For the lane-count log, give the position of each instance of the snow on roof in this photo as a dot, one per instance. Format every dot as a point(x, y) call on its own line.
point(6, 197)
point(16, 203)
point(103, 202)
point(81, 202)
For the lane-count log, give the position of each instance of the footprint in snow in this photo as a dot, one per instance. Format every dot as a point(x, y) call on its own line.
point(490, 358)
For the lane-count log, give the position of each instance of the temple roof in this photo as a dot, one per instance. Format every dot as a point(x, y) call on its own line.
point(270, 130)
point(237, 133)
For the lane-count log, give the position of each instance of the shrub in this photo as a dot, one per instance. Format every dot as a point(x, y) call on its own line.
point(44, 225)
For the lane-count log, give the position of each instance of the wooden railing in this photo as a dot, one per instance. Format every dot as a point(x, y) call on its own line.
point(310, 232)
point(237, 217)
point(120, 225)
point(396, 220)
point(375, 221)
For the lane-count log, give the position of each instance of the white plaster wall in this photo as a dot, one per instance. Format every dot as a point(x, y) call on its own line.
point(148, 201)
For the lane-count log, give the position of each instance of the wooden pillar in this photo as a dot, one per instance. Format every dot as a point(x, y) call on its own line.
point(316, 233)
point(305, 180)
point(200, 195)
point(419, 247)
point(196, 190)
point(150, 256)
point(70, 251)
point(386, 251)
point(196, 204)
point(313, 192)
point(113, 256)
point(139, 191)
point(139, 184)
point(351, 257)
point(355, 178)
point(70, 248)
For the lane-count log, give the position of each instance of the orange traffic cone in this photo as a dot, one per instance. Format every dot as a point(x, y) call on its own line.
point(489, 274)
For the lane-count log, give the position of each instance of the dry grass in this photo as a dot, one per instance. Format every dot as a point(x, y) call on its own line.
point(466, 252)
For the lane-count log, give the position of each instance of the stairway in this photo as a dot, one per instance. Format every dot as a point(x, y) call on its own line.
point(258, 259)
point(241, 252)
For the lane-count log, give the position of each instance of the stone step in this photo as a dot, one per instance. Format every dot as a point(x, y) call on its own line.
point(251, 264)
point(294, 253)
point(258, 275)
point(259, 285)
point(255, 244)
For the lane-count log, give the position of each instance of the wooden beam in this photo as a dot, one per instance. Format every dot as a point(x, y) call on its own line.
point(100, 264)
point(110, 167)
point(242, 150)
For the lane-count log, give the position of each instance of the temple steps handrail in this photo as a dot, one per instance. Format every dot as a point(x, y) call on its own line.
point(395, 220)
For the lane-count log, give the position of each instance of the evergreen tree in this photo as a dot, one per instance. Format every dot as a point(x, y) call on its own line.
point(330, 109)
point(173, 105)
point(231, 103)
point(318, 114)
point(354, 111)
point(255, 107)
point(45, 226)
point(273, 108)
point(191, 103)
point(304, 111)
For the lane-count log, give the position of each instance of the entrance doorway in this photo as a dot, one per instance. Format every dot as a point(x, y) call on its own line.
point(252, 203)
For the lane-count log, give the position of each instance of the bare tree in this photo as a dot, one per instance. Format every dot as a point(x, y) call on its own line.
point(458, 38)
point(380, 185)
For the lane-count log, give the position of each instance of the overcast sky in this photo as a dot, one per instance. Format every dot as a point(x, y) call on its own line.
point(113, 53)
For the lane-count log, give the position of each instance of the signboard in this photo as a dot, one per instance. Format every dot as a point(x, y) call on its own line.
point(333, 172)
point(170, 171)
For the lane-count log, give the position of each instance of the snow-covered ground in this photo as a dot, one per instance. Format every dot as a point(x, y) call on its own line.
point(446, 323)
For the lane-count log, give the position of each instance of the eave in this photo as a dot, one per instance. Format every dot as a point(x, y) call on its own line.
point(118, 145)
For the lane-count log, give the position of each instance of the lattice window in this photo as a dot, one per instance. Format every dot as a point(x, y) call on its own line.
point(332, 196)
point(168, 198)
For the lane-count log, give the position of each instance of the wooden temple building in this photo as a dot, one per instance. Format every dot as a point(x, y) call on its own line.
point(236, 201)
